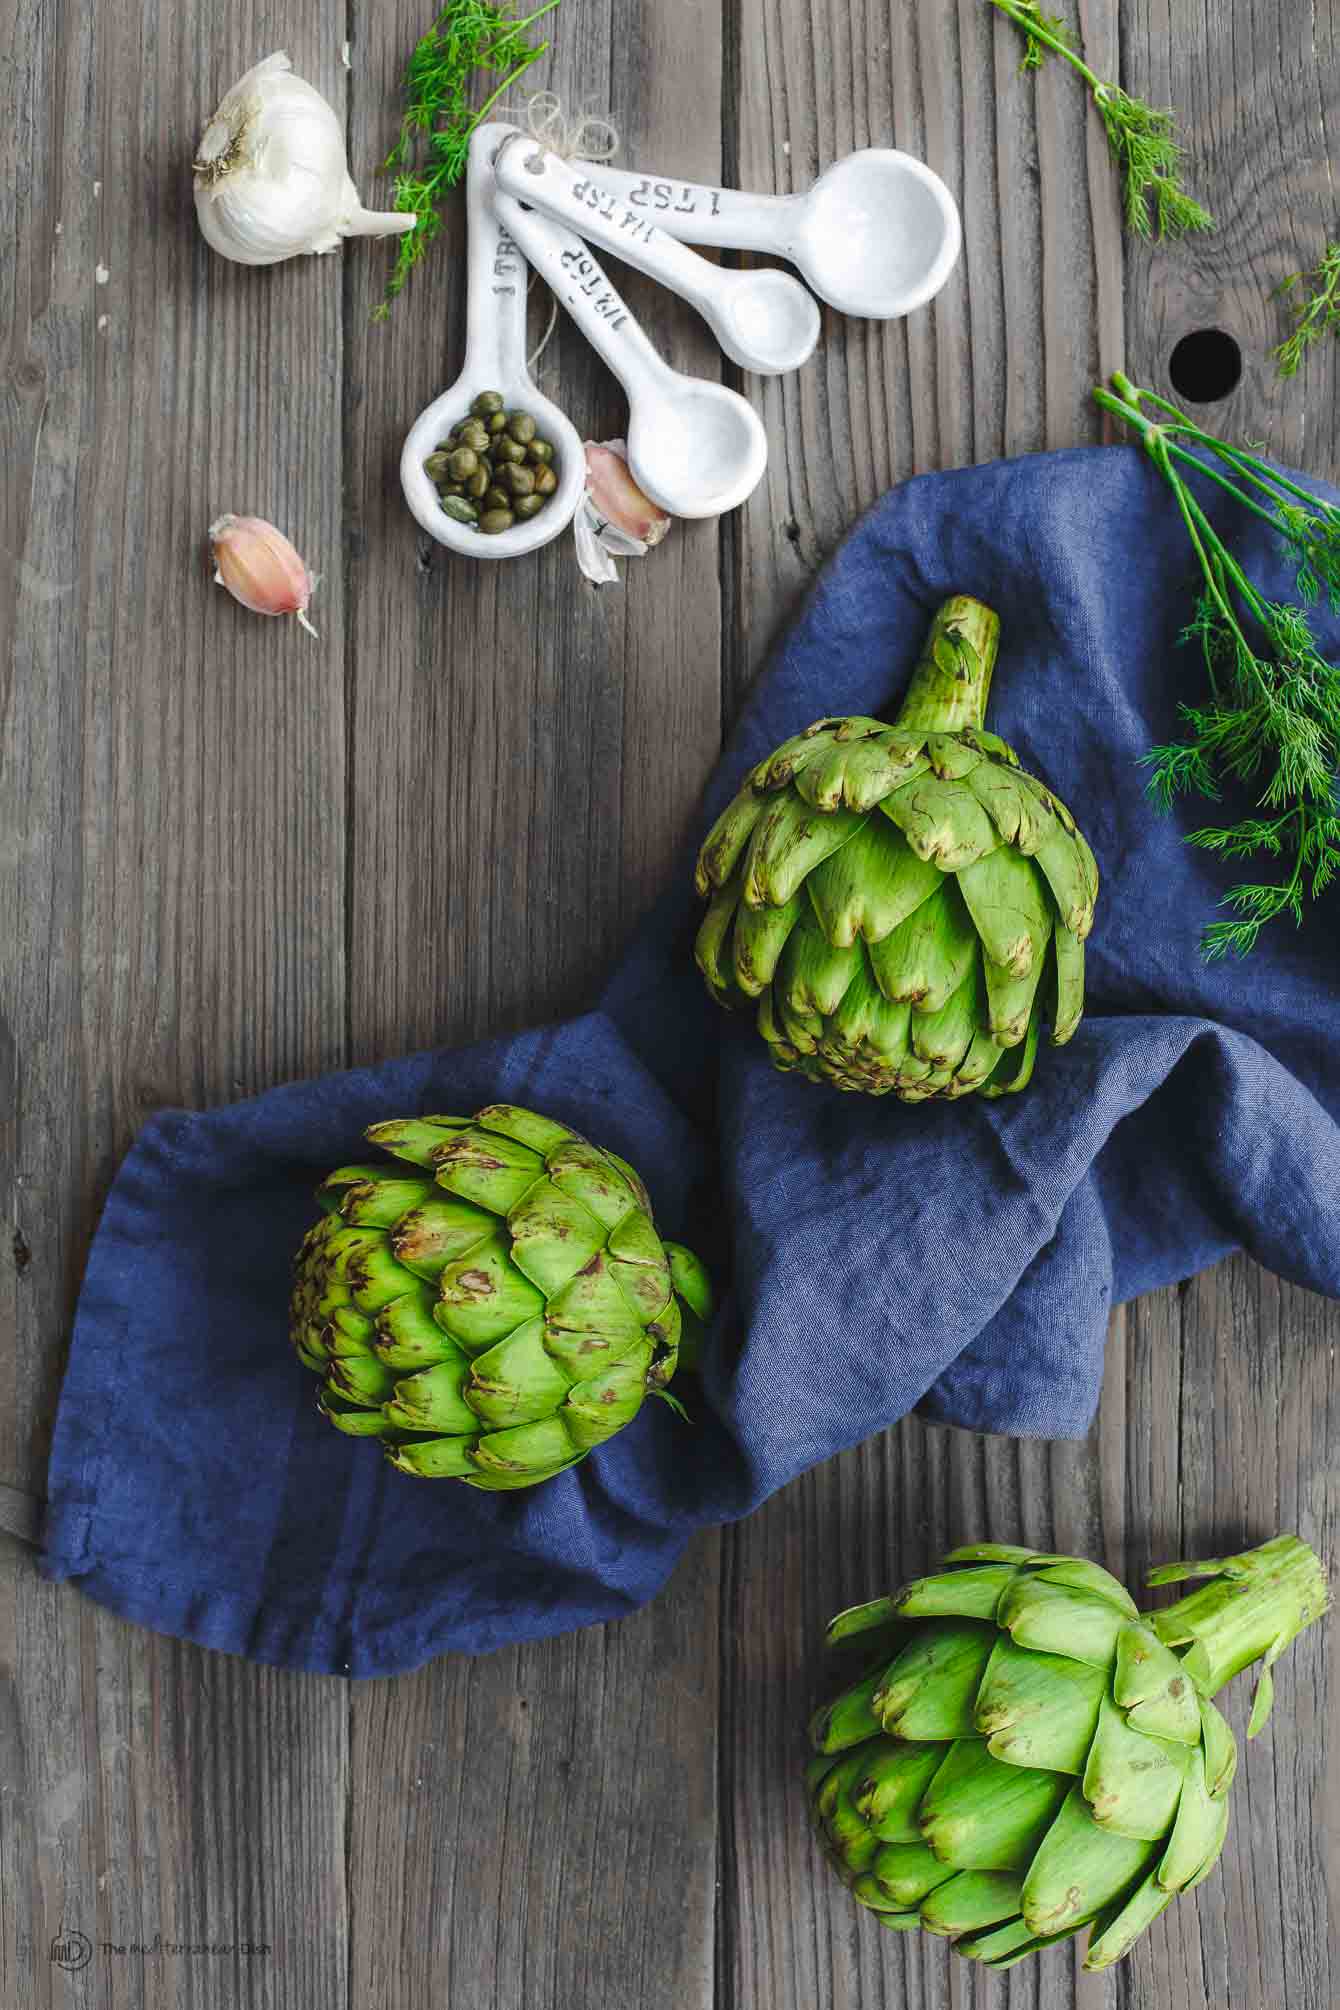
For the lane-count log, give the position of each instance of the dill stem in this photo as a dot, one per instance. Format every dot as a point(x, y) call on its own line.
point(1037, 29)
point(512, 75)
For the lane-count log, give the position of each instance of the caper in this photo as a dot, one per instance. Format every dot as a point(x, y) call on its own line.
point(507, 450)
point(436, 467)
point(464, 462)
point(539, 450)
point(474, 434)
point(459, 510)
point(546, 481)
point(487, 403)
point(521, 426)
point(496, 498)
point(451, 488)
point(494, 520)
point(497, 422)
point(527, 506)
point(520, 481)
point(477, 484)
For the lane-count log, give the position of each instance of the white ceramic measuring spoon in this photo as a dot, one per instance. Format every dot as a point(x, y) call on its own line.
point(695, 447)
point(764, 320)
point(495, 360)
point(877, 235)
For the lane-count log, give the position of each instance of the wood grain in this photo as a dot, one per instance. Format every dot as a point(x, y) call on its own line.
point(171, 907)
point(537, 1827)
point(228, 856)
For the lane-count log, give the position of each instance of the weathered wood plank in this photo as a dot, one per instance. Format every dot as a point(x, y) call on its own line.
point(170, 902)
point(526, 754)
point(1235, 1438)
point(1002, 364)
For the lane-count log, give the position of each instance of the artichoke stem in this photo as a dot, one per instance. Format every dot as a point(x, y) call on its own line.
point(950, 684)
point(1255, 1605)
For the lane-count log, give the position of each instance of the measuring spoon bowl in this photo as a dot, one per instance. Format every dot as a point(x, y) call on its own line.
point(876, 236)
point(495, 360)
point(764, 320)
point(695, 447)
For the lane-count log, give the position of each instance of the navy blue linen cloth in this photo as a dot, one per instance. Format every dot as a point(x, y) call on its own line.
point(962, 1258)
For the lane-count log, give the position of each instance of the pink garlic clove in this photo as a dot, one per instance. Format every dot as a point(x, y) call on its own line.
point(618, 498)
point(260, 568)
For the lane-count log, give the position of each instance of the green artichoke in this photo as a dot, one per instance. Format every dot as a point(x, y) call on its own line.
point(1029, 1754)
point(494, 1305)
point(904, 904)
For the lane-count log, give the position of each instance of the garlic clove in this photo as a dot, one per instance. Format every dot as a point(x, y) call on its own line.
point(271, 176)
point(260, 568)
point(617, 497)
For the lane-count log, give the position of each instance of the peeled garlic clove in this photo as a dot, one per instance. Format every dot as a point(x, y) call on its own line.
point(618, 499)
point(260, 568)
point(271, 176)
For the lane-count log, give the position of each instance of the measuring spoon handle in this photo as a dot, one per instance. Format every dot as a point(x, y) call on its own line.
point(579, 284)
point(581, 200)
point(495, 314)
point(697, 213)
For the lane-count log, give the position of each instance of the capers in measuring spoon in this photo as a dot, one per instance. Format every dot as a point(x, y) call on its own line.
point(493, 470)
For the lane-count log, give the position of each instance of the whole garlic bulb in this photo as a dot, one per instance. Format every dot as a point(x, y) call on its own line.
point(271, 174)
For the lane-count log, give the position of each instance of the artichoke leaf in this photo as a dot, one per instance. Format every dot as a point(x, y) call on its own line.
point(906, 1873)
point(942, 821)
point(871, 884)
point(723, 847)
point(1039, 1710)
point(714, 947)
point(1132, 1781)
point(554, 1235)
point(1015, 1068)
point(761, 934)
point(971, 1901)
point(981, 1814)
point(1194, 1829)
point(1021, 818)
point(813, 976)
point(928, 1691)
point(1079, 1868)
point(1152, 1687)
point(1063, 862)
point(789, 840)
point(849, 1719)
point(855, 773)
point(513, 1382)
point(927, 957)
point(1007, 899)
point(1066, 999)
point(1119, 1926)
point(487, 1168)
point(968, 1594)
point(943, 1038)
point(433, 1400)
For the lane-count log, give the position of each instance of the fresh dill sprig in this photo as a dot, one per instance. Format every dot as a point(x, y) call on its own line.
point(1142, 138)
point(470, 39)
point(1272, 720)
point(1315, 300)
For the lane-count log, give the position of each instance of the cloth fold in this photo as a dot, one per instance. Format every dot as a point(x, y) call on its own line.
point(963, 1258)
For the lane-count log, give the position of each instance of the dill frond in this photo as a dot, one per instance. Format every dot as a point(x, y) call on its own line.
point(1314, 298)
point(1142, 138)
point(1272, 719)
point(471, 43)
